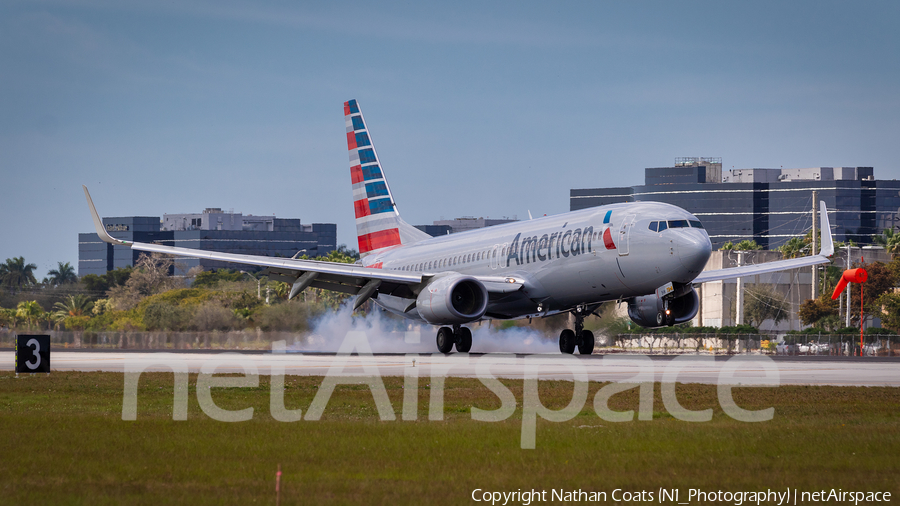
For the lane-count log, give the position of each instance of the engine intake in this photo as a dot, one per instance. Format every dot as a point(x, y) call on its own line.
point(452, 299)
point(648, 311)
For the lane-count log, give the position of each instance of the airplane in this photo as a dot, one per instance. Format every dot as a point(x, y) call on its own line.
point(647, 254)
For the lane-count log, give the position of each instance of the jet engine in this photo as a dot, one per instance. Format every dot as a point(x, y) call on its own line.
point(452, 299)
point(650, 311)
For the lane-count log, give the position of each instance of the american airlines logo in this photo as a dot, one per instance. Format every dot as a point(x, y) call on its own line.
point(562, 244)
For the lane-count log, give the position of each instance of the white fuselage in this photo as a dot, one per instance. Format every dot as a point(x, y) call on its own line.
point(593, 255)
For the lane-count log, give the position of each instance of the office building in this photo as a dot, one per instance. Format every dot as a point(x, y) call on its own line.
point(769, 206)
point(213, 230)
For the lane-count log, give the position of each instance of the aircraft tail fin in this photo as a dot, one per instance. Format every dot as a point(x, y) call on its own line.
point(378, 222)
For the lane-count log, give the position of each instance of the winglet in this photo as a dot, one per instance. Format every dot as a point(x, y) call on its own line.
point(98, 223)
point(827, 242)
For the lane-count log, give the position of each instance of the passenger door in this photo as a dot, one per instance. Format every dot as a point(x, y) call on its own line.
point(624, 232)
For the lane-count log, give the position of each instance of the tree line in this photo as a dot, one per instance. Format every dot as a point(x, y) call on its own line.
point(147, 297)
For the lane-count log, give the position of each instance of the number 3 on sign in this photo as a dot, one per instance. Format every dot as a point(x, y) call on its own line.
point(32, 353)
point(37, 354)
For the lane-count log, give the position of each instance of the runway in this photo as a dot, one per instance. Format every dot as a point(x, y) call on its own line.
point(745, 370)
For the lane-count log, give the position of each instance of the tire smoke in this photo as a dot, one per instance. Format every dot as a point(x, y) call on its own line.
point(391, 335)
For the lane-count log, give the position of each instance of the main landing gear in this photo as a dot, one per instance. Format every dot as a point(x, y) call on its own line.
point(460, 336)
point(580, 338)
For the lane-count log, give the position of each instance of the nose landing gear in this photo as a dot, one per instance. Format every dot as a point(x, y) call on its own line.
point(460, 336)
point(580, 338)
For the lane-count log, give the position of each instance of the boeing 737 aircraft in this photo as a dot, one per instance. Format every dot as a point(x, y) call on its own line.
point(647, 254)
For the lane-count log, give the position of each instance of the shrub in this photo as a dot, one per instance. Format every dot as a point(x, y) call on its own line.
point(286, 317)
point(213, 316)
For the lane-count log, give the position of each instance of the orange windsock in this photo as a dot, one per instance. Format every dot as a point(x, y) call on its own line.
point(849, 276)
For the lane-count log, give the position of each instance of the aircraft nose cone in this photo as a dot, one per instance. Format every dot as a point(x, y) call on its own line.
point(694, 250)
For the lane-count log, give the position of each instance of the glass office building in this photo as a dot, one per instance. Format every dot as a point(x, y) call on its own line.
point(769, 206)
point(212, 230)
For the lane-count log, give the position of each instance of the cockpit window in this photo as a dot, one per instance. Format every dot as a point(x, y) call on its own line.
point(678, 224)
point(696, 224)
point(658, 226)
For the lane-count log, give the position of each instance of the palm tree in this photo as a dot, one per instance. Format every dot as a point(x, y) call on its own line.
point(747, 245)
point(15, 273)
point(889, 240)
point(63, 274)
point(75, 306)
point(30, 311)
point(796, 247)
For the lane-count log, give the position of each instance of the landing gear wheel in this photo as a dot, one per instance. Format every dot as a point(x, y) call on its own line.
point(464, 340)
point(567, 341)
point(660, 317)
point(586, 344)
point(445, 339)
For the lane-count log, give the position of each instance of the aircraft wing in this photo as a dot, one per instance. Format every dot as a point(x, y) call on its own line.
point(752, 270)
point(779, 265)
point(347, 278)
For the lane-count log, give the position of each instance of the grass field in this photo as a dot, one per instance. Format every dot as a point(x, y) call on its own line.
point(64, 442)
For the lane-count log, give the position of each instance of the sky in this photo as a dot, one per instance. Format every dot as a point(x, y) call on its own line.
point(477, 109)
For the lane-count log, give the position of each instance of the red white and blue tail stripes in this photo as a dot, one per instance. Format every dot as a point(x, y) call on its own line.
point(378, 224)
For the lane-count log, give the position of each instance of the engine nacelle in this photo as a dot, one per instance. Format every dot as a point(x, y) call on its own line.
point(452, 299)
point(648, 311)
